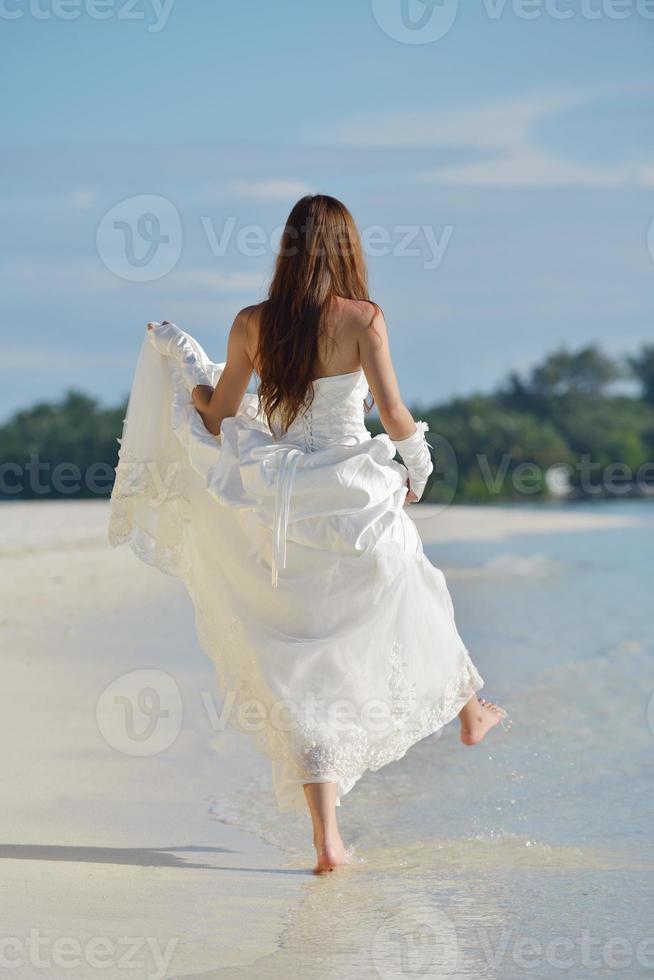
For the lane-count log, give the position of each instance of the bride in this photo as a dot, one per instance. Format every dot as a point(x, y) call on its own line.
point(332, 634)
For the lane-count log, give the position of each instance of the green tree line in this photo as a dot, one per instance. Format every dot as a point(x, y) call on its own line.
point(565, 428)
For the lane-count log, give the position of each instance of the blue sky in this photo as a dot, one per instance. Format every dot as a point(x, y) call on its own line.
point(502, 174)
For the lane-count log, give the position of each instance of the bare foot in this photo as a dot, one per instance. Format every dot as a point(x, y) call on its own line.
point(331, 854)
point(481, 721)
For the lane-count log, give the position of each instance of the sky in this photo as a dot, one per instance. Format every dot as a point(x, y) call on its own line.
point(497, 156)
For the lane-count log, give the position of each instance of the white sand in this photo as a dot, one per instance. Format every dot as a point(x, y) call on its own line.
point(484, 523)
point(99, 844)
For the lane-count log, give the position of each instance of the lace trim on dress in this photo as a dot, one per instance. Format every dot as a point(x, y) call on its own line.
point(137, 480)
point(402, 691)
point(348, 753)
point(354, 751)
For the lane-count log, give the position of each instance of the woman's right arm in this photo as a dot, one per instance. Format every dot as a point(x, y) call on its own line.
point(378, 368)
point(394, 415)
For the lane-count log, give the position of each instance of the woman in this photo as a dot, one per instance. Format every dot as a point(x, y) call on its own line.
point(333, 636)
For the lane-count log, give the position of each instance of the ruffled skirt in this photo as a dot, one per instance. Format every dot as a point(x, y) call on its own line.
point(333, 636)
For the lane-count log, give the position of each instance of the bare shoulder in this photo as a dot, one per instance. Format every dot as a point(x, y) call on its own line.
point(246, 327)
point(368, 325)
point(248, 317)
point(359, 315)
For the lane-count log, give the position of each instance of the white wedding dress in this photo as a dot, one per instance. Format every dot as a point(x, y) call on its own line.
point(333, 636)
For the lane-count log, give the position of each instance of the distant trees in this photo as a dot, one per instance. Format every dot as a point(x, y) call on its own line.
point(60, 449)
point(563, 377)
point(566, 425)
point(490, 441)
point(564, 415)
point(642, 368)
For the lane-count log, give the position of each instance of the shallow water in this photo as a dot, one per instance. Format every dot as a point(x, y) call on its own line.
point(531, 854)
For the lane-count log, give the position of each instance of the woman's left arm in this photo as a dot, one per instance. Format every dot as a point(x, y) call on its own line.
point(222, 402)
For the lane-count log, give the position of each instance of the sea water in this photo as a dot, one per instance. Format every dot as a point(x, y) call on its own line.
point(529, 855)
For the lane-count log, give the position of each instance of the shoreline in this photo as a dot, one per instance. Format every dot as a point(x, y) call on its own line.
point(99, 842)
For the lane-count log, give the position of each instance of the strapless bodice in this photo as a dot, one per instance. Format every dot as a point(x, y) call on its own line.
point(335, 416)
point(282, 480)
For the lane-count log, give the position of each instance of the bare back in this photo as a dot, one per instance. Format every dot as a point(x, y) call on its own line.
point(355, 338)
point(339, 346)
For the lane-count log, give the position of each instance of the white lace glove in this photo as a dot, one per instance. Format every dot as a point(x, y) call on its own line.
point(415, 454)
point(170, 341)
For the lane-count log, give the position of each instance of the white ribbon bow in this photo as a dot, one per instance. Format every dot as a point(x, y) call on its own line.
point(289, 457)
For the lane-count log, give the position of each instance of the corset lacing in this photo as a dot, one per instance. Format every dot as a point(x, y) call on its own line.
point(307, 430)
point(335, 415)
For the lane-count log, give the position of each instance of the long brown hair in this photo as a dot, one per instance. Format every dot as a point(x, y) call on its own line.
point(320, 257)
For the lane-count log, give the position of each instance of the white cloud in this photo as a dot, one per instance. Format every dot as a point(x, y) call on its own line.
point(502, 133)
point(528, 166)
point(78, 198)
point(270, 190)
point(191, 313)
point(84, 276)
point(218, 282)
point(487, 127)
point(82, 198)
point(90, 277)
point(39, 359)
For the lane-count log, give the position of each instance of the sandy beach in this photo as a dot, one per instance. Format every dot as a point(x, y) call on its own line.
point(137, 856)
point(98, 844)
